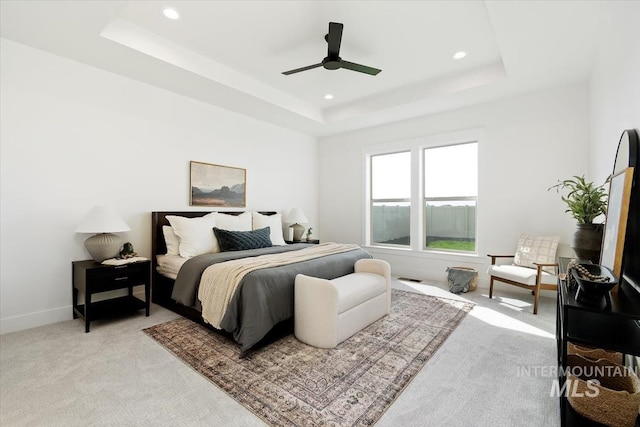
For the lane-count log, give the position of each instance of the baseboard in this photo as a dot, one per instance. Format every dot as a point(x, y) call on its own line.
point(41, 318)
point(32, 320)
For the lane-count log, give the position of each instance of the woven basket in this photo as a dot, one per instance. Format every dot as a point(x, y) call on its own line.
point(474, 282)
point(594, 353)
point(618, 395)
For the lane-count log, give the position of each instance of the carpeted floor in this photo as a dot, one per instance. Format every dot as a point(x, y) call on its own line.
point(288, 383)
point(56, 375)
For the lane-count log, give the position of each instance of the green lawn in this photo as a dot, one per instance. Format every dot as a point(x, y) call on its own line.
point(455, 245)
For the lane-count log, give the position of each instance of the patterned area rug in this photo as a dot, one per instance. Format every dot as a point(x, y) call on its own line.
point(288, 383)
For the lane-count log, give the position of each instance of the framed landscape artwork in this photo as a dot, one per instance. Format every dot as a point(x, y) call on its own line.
point(216, 185)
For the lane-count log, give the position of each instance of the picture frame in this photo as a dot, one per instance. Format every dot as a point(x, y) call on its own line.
point(616, 224)
point(217, 185)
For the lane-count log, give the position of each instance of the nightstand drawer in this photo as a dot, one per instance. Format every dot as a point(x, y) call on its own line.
point(132, 272)
point(118, 277)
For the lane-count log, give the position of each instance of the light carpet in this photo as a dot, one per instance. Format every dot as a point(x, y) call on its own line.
point(288, 383)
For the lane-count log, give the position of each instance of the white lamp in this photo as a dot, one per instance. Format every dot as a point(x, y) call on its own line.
point(296, 216)
point(103, 220)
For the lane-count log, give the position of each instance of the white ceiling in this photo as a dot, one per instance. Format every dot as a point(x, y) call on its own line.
point(232, 53)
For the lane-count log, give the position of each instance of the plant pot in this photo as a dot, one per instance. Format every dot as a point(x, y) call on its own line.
point(587, 242)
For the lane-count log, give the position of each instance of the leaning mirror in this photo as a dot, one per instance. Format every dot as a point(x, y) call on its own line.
point(620, 244)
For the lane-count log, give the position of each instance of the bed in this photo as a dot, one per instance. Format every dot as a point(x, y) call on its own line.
point(263, 300)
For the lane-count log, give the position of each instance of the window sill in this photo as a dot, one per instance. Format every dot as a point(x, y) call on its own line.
point(447, 256)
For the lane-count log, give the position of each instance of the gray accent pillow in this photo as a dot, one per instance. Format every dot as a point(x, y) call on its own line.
point(243, 240)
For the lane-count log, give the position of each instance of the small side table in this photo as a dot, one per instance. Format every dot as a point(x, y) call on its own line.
point(91, 277)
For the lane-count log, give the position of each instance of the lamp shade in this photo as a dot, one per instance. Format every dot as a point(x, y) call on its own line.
point(297, 216)
point(102, 219)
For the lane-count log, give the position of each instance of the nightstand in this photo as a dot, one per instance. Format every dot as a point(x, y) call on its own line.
point(309, 242)
point(90, 277)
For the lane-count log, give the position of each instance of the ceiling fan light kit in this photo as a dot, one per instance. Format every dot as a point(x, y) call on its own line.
point(333, 60)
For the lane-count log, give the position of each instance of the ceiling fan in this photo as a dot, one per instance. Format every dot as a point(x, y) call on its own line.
point(333, 60)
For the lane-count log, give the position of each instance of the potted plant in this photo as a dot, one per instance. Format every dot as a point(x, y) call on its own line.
point(585, 202)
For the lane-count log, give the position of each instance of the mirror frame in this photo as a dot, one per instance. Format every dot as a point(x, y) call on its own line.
point(621, 240)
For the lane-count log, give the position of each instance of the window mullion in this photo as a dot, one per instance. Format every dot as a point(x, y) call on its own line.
point(416, 192)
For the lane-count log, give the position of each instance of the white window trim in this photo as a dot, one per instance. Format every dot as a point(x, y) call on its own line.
point(416, 145)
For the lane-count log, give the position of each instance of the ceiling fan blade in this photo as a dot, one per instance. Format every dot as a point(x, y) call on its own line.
point(360, 68)
point(297, 70)
point(334, 38)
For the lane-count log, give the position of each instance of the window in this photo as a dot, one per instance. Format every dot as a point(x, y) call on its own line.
point(391, 199)
point(450, 197)
point(423, 193)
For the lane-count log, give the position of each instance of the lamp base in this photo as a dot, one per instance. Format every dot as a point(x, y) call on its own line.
point(103, 246)
point(297, 232)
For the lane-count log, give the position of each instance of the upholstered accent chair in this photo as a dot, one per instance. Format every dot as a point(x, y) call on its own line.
point(534, 266)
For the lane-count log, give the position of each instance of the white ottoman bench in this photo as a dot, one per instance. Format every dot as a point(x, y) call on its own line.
point(328, 312)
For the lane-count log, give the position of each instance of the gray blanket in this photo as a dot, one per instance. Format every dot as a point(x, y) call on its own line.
point(264, 297)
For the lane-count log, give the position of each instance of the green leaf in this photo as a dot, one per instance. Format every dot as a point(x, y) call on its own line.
point(585, 202)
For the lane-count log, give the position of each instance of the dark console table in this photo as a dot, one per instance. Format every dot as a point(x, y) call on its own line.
point(612, 324)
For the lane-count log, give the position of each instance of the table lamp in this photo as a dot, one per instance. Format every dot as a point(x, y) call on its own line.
point(296, 216)
point(103, 220)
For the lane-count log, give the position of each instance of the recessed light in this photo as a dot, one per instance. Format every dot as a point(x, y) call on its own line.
point(171, 13)
point(328, 96)
point(459, 55)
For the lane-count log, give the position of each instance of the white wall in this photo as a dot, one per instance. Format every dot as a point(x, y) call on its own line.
point(614, 86)
point(529, 143)
point(73, 136)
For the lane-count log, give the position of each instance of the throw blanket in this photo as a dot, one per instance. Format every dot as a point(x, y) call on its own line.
point(459, 279)
point(219, 281)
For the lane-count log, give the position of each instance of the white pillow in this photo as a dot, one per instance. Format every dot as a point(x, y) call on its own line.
point(274, 222)
point(240, 222)
point(195, 234)
point(172, 241)
point(540, 249)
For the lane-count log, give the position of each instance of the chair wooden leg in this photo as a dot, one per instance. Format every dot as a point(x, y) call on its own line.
point(491, 288)
point(536, 294)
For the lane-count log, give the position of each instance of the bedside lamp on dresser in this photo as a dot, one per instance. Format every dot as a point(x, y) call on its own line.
point(296, 216)
point(103, 220)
